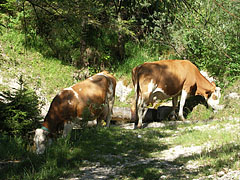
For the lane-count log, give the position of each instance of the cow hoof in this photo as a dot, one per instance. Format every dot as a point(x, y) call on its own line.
point(137, 126)
point(182, 119)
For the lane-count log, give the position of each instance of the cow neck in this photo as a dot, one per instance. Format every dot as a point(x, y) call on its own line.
point(203, 86)
point(45, 127)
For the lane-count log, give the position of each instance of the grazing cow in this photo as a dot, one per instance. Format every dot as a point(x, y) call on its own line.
point(169, 78)
point(90, 99)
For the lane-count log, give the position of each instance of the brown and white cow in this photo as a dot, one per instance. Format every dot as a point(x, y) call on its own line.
point(170, 78)
point(93, 96)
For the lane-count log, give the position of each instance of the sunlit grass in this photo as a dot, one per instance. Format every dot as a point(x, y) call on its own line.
point(44, 74)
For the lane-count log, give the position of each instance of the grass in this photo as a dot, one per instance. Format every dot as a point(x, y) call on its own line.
point(134, 154)
point(47, 75)
point(112, 147)
point(68, 155)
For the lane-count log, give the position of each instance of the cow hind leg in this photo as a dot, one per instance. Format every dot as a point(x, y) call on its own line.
point(141, 110)
point(110, 110)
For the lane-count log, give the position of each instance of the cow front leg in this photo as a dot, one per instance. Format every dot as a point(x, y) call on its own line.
point(182, 102)
point(172, 114)
point(67, 129)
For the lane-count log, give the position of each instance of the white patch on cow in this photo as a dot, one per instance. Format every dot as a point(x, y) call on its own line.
point(75, 93)
point(184, 96)
point(71, 89)
point(213, 100)
point(69, 102)
point(90, 78)
point(80, 89)
point(151, 86)
point(101, 74)
point(68, 89)
point(110, 89)
point(40, 139)
point(142, 110)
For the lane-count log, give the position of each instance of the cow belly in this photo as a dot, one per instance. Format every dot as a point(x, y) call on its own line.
point(158, 93)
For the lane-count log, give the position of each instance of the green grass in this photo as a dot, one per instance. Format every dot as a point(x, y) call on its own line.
point(47, 75)
point(113, 147)
point(66, 156)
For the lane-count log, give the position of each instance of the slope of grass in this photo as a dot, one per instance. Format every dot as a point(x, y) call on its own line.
point(43, 74)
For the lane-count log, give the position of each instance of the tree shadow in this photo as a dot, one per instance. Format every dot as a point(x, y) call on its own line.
point(107, 146)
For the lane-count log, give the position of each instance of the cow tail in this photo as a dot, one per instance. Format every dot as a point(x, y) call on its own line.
point(135, 80)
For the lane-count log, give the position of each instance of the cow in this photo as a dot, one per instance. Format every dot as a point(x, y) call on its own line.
point(91, 99)
point(169, 78)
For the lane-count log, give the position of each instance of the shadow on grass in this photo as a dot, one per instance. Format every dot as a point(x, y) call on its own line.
point(126, 152)
point(108, 146)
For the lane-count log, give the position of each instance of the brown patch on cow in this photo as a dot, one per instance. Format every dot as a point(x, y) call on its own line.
point(214, 97)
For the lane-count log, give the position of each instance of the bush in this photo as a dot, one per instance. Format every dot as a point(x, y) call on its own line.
point(19, 112)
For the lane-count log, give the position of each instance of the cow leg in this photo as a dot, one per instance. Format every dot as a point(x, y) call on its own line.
point(142, 110)
point(174, 102)
point(174, 106)
point(182, 102)
point(110, 110)
point(67, 129)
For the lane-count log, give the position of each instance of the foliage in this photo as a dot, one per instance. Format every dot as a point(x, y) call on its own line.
point(97, 34)
point(206, 32)
point(19, 110)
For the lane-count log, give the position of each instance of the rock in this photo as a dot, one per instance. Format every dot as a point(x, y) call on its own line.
point(205, 74)
point(124, 114)
point(122, 91)
point(232, 95)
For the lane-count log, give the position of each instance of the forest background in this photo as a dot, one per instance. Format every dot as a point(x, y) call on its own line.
point(119, 34)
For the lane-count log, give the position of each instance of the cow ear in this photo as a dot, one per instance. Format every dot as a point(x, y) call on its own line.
point(218, 89)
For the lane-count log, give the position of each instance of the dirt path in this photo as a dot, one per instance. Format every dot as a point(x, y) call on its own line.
point(165, 160)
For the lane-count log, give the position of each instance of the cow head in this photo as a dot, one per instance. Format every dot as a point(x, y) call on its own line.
point(40, 140)
point(214, 97)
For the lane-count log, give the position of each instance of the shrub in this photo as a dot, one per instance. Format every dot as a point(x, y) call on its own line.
point(19, 112)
